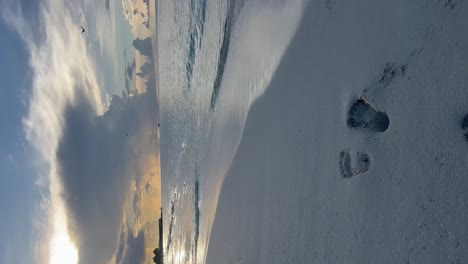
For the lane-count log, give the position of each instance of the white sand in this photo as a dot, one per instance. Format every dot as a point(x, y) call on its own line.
point(284, 199)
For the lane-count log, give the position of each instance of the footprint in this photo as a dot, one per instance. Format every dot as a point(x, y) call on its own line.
point(353, 163)
point(363, 116)
point(390, 72)
point(451, 4)
point(393, 71)
point(464, 126)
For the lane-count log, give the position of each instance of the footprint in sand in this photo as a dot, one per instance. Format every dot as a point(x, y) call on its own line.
point(364, 117)
point(353, 163)
point(464, 126)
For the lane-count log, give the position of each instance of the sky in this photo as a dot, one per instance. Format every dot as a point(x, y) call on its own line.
point(79, 174)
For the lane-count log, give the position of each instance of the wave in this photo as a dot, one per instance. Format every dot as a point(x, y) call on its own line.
point(197, 212)
point(171, 223)
point(233, 11)
point(197, 30)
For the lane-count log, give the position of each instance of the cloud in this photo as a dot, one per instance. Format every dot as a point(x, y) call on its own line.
point(94, 173)
point(98, 159)
point(85, 159)
point(144, 46)
point(137, 13)
point(127, 87)
point(135, 249)
point(131, 250)
point(146, 23)
point(147, 70)
point(107, 5)
point(130, 69)
point(60, 65)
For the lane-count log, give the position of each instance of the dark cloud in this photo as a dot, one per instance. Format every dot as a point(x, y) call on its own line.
point(149, 13)
point(147, 3)
point(131, 250)
point(135, 249)
point(127, 85)
point(144, 47)
point(147, 70)
point(130, 69)
point(107, 4)
point(97, 163)
point(122, 245)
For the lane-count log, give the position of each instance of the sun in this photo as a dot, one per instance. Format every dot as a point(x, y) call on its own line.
point(180, 256)
point(63, 250)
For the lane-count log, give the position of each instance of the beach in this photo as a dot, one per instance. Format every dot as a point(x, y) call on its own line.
point(307, 185)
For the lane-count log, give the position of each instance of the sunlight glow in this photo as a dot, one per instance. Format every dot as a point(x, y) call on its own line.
point(180, 256)
point(63, 250)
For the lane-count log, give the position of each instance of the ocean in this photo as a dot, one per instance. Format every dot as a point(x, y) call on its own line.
point(215, 59)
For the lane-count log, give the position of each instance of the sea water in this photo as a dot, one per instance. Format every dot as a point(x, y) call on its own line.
point(215, 58)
